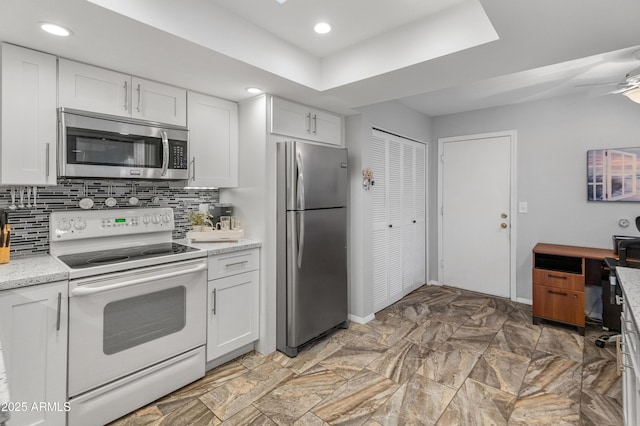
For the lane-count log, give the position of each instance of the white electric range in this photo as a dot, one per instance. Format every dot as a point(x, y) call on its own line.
point(137, 309)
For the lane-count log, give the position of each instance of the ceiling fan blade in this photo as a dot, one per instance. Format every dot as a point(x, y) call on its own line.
point(596, 84)
point(624, 87)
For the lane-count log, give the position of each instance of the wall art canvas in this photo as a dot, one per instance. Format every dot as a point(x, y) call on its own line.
point(612, 174)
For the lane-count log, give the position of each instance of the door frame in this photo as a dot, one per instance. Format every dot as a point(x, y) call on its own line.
point(512, 134)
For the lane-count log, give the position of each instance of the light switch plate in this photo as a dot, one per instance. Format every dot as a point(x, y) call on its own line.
point(523, 207)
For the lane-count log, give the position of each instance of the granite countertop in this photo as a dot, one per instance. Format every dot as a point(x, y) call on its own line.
point(27, 271)
point(630, 282)
point(222, 247)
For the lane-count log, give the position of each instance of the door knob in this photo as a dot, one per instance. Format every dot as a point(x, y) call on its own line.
point(503, 225)
point(503, 215)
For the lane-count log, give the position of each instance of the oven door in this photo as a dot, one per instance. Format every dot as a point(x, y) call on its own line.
point(123, 322)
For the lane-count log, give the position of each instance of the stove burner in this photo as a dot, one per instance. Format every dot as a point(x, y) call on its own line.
point(157, 251)
point(107, 259)
point(123, 255)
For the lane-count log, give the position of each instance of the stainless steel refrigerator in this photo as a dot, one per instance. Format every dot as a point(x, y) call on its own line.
point(311, 244)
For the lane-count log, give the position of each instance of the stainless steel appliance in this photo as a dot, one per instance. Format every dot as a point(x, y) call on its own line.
point(106, 146)
point(137, 309)
point(311, 243)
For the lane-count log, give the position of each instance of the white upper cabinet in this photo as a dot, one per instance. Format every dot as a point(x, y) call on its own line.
point(28, 136)
point(90, 88)
point(300, 121)
point(158, 102)
point(213, 141)
point(94, 89)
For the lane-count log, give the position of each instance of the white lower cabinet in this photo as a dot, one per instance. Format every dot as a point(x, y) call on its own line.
point(233, 302)
point(629, 363)
point(33, 330)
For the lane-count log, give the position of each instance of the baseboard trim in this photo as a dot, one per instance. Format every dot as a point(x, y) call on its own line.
point(361, 320)
point(523, 300)
point(434, 282)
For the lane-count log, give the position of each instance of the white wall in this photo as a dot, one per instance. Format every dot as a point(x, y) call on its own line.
point(553, 137)
point(396, 118)
point(254, 202)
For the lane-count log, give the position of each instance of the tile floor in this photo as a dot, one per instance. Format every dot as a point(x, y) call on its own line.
point(440, 356)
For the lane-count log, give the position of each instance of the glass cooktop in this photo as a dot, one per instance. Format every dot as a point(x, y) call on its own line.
point(108, 257)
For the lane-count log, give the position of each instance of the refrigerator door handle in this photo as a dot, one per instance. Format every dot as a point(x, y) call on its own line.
point(299, 182)
point(300, 239)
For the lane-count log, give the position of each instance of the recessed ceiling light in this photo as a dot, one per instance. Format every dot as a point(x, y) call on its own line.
point(281, 1)
point(322, 28)
point(55, 29)
point(254, 90)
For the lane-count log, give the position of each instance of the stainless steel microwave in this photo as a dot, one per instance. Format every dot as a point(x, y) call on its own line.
point(105, 146)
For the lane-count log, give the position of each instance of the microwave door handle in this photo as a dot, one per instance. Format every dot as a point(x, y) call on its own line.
point(165, 152)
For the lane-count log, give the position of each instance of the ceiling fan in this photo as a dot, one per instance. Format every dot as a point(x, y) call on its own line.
point(630, 87)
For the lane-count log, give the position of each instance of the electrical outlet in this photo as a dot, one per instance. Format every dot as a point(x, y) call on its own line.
point(523, 207)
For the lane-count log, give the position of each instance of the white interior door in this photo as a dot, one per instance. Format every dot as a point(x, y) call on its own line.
point(476, 221)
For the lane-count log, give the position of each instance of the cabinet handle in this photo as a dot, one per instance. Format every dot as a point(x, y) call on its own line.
point(193, 168)
point(126, 95)
point(59, 313)
point(228, 265)
point(138, 97)
point(560, 277)
point(558, 293)
point(213, 309)
point(308, 122)
point(315, 124)
point(46, 157)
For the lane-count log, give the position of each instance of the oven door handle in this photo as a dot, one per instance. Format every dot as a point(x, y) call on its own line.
point(87, 291)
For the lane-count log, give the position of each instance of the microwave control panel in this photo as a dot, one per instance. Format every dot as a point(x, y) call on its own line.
point(178, 156)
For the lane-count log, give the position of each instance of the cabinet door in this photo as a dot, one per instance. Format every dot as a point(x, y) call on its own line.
point(33, 330)
point(326, 127)
point(233, 313)
point(213, 141)
point(158, 102)
point(28, 144)
point(89, 88)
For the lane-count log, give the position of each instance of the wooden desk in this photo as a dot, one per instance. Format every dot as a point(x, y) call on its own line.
point(559, 275)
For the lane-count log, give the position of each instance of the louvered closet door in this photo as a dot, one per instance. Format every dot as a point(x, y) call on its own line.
point(398, 217)
point(394, 217)
point(379, 222)
point(408, 188)
point(420, 208)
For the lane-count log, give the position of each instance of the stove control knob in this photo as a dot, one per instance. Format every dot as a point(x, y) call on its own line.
point(156, 218)
point(64, 224)
point(80, 224)
point(166, 218)
point(146, 219)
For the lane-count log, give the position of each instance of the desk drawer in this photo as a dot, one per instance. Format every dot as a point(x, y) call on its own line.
point(558, 304)
point(237, 262)
point(557, 279)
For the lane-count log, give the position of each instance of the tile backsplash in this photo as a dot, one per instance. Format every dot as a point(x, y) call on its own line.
point(30, 226)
